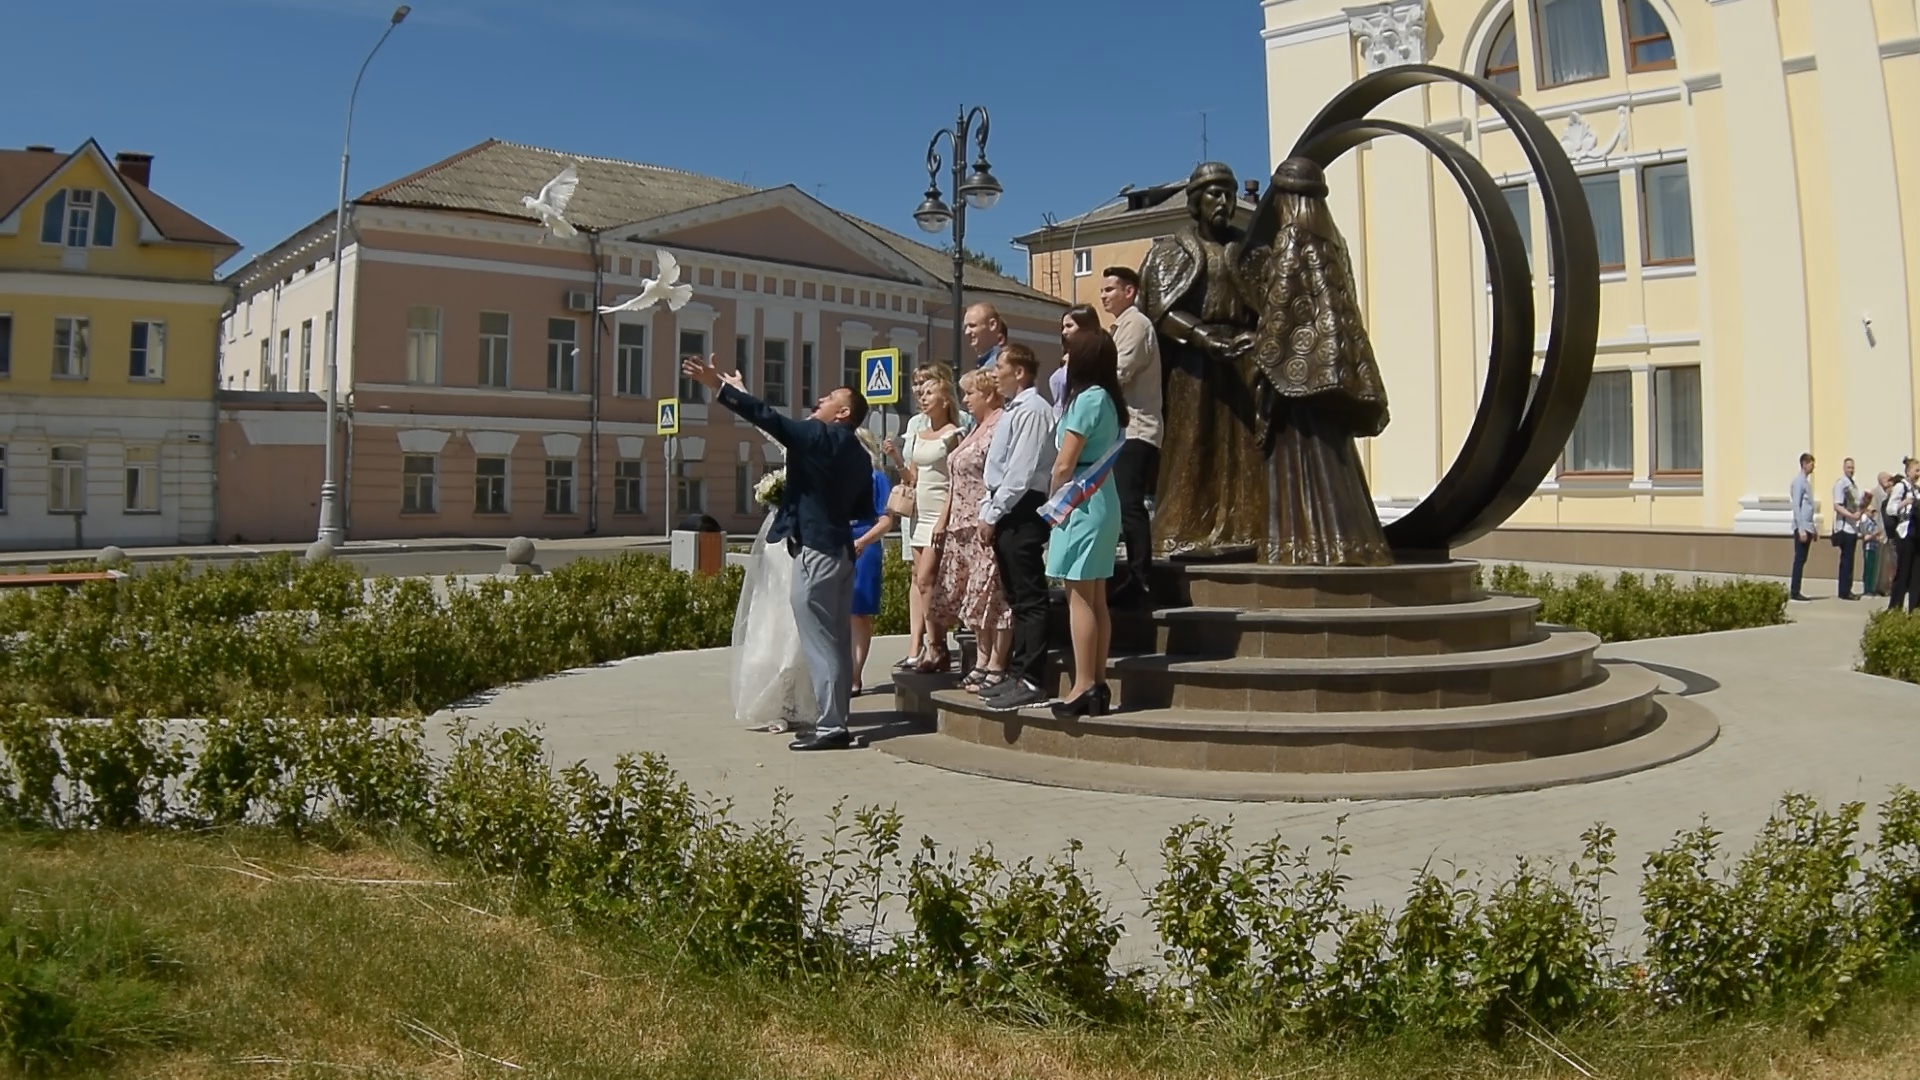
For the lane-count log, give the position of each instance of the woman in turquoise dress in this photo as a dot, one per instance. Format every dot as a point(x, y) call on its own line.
point(1080, 553)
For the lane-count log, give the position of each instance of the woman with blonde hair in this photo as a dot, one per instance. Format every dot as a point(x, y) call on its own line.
point(966, 586)
point(923, 464)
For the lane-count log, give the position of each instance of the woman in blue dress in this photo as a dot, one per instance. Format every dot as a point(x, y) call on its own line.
point(1081, 550)
point(869, 535)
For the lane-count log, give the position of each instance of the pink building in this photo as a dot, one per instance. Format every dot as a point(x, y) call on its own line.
point(481, 395)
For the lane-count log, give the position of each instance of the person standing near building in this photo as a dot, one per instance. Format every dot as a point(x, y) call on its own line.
point(986, 333)
point(1847, 511)
point(1137, 471)
point(1905, 592)
point(1800, 494)
point(1019, 473)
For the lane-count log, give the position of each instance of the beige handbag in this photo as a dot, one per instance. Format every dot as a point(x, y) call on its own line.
point(900, 501)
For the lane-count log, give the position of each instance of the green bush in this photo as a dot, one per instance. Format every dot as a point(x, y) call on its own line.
point(1890, 645)
point(1803, 919)
point(1631, 608)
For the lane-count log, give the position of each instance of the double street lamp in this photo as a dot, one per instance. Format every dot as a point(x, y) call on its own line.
point(976, 187)
point(329, 506)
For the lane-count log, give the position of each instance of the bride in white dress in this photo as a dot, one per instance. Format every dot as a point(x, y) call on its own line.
point(771, 687)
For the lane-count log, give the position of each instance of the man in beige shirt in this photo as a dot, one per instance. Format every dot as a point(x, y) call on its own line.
point(1137, 470)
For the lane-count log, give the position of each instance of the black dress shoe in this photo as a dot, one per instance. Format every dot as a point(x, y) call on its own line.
point(833, 739)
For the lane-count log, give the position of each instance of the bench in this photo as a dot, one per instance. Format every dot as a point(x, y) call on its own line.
point(67, 580)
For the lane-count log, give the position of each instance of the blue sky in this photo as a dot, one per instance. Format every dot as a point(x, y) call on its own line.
point(242, 101)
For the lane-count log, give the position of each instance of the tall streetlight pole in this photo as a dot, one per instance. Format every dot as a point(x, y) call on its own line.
point(977, 187)
point(329, 505)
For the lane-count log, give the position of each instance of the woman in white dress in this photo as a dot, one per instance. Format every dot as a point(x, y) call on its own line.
point(926, 458)
point(771, 687)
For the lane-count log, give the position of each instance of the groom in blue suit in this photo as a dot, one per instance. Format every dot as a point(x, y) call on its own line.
point(829, 485)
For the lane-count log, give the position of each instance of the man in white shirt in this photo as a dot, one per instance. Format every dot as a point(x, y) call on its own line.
point(1019, 474)
point(1800, 494)
point(1137, 469)
point(1847, 510)
point(1900, 506)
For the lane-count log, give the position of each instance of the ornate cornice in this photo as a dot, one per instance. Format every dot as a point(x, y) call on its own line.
point(1390, 34)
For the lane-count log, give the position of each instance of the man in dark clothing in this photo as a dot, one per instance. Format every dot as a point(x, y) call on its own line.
point(829, 485)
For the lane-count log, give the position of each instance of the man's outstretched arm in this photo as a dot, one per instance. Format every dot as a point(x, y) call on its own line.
point(732, 393)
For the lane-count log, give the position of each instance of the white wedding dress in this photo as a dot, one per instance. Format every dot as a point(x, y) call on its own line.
point(771, 685)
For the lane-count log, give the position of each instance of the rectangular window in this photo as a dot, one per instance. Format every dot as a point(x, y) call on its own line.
point(496, 339)
point(1603, 199)
point(306, 356)
point(743, 360)
point(71, 339)
point(3, 478)
point(630, 359)
point(490, 485)
point(1082, 263)
point(6, 346)
point(806, 375)
point(1572, 40)
point(692, 343)
point(773, 373)
point(1518, 202)
point(67, 480)
point(79, 217)
point(417, 487)
point(690, 491)
point(329, 343)
point(742, 488)
point(1649, 46)
point(559, 485)
point(1667, 214)
point(266, 365)
point(143, 480)
point(286, 360)
point(629, 487)
point(423, 345)
point(1602, 440)
point(148, 356)
point(563, 336)
point(849, 366)
point(1676, 420)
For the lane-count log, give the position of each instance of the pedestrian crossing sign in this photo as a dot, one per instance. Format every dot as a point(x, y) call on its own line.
point(880, 376)
point(668, 421)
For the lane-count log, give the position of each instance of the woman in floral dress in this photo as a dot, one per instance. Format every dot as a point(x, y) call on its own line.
point(966, 587)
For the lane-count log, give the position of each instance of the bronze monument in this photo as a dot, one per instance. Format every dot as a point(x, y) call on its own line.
point(1213, 489)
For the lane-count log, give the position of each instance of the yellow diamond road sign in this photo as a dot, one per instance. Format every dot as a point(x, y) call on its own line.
point(880, 376)
point(668, 422)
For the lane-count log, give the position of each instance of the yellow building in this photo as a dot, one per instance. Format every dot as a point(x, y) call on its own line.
point(1753, 169)
point(109, 319)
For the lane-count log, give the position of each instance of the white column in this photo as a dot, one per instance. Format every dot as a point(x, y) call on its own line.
point(1773, 284)
point(1870, 271)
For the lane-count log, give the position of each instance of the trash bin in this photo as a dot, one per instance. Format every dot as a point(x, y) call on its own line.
point(698, 545)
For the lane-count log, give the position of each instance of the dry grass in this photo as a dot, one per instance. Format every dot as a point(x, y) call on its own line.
point(362, 961)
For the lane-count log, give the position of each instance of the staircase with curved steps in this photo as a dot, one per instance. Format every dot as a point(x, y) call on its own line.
point(1265, 682)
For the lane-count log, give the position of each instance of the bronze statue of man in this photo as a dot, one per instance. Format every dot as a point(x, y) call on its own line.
point(1213, 497)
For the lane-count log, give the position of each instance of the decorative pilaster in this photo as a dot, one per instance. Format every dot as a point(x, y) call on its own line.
point(1390, 34)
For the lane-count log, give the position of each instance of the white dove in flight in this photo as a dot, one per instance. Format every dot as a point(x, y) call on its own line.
point(550, 206)
point(655, 289)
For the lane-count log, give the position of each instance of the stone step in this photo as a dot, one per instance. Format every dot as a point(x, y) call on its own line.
point(1489, 622)
point(1677, 728)
point(1613, 707)
point(1552, 663)
point(1255, 585)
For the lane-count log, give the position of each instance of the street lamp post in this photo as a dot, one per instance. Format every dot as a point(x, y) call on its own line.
point(329, 505)
point(977, 187)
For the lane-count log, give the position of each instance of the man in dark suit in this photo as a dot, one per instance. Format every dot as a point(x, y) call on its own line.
point(829, 485)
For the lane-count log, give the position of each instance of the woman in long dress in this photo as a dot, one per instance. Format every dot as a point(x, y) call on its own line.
point(771, 685)
point(966, 587)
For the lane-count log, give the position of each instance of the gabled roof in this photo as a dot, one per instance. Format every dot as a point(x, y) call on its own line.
point(23, 173)
point(490, 178)
point(1138, 204)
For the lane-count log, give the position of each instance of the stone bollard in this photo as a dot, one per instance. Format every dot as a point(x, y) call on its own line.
point(111, 557)
point(319, 551)
point(519, 559)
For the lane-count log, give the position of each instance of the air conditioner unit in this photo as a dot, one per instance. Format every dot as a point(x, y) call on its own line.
point(580, 301)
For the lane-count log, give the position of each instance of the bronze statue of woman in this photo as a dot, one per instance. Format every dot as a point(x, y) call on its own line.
point(1320, 386)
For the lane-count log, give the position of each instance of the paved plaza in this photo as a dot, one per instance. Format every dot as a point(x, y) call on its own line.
point(1794, 715)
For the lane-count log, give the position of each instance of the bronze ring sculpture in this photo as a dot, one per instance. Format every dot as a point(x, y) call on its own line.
point(1514, 442)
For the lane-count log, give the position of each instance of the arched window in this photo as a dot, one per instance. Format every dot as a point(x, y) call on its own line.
point(1649, 45)
point(1572, 40)
point(1502, 68)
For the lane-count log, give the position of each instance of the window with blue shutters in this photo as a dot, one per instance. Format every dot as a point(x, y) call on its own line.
point(53, 221)
point(78, 218)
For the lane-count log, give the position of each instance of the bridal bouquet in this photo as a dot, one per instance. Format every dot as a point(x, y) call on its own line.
point(767, 491)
